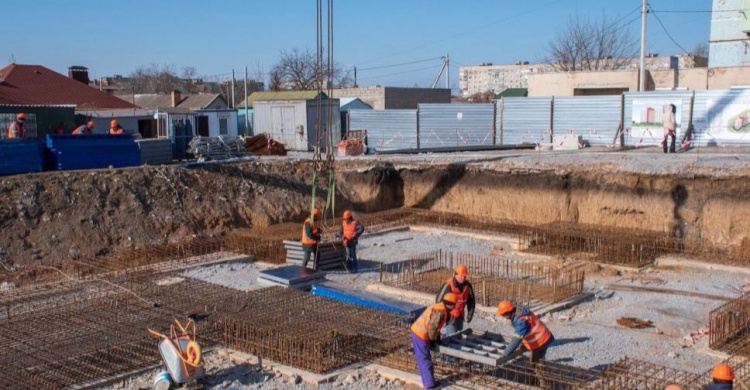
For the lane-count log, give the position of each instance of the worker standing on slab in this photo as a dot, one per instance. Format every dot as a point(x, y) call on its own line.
point(88, 128)
point(115, 128)
point(529, 331)
point(425, 333)
point(459, 285)
point(351, 229)
point(723, 378)
point(311, 237)
point(17, 128)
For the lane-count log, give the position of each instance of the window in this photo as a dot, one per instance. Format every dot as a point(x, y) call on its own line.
point(223, 126)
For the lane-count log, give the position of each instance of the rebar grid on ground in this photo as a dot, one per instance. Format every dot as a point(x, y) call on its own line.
point(494, 278)
point(729, 326)
point(632, 374)
point(312, 333)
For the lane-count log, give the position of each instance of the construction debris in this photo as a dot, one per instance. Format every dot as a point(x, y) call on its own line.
point(264, 145)
point(634, 323)
point(215, 148)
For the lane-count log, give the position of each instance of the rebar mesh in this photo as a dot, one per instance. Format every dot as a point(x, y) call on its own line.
point(729, 326)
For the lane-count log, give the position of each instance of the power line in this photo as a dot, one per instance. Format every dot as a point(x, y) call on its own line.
point(464, 32)
point(638, 8)
point(696, 11)
point(401, 64)
point(397, 73)
point(666, 31)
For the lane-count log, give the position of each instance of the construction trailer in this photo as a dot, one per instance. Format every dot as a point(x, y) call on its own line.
point(295, 123)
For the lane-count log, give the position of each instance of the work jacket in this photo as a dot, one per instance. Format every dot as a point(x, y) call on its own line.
point(115, 130)
point(533, 333)
point(16, 130)
point(351, 230)
point(720, 386)
point(310, 234)
point(82, 129)
point(427, 326)
point(465, 295)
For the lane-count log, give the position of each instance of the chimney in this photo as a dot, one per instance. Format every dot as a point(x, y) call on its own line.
point(176, 98)
point(79, 73)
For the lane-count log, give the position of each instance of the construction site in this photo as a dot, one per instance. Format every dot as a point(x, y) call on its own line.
point(635, 260)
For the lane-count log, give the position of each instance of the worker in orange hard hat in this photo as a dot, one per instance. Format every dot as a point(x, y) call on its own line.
point(723, 378)
point(459, 284)
point(88, 128)
point(311, 237)
point(115, 128)
point(17, 128)
point(674, 387)
point(425, 333)
point(350, 231)
point(529, 331)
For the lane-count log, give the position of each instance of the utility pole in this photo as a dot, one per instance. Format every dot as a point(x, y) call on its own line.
point(232, 105)
point(246, 96)
point(448, 73)
point(355, 77)
point(644, 17)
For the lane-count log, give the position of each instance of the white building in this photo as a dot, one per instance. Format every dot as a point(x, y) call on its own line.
point(497, 78)
point(729, 43)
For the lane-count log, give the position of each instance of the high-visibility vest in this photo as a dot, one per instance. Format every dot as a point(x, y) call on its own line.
point(421, 326)
point(16, 130)
point(539, 335)
point(349, 229)
point(307, 241)
point(82, 129)
point(463, 297)
point(115, 130)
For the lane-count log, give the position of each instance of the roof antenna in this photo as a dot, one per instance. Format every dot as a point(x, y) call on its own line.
point(12, 59)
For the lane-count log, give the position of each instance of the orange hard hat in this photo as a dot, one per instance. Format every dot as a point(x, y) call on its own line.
point(723, 372)
point(347, 214)
point(461, 270)
point(114, 123)
point(674, 387)
point(91, 124)
point(505, 307)
point(21, 116)
point(450, 298)
point(317, 214)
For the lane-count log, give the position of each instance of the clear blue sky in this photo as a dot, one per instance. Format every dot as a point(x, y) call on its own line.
point(114, 37)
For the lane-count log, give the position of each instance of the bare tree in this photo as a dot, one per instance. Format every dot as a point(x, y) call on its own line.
point(482, 97)
point(585, 45)
point(298, 70)
point(700, 50)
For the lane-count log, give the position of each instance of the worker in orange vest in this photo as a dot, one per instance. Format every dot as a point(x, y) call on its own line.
point(311, 237)
point(425, 333)
point(529, 331)
point(350, 231)
point(114, 127)
point(17, 129)
point(88, 128)
point(459, 285)
point(723, 378)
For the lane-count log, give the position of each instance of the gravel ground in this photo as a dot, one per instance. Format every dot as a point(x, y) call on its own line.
point(587, 334)
point(642, 160)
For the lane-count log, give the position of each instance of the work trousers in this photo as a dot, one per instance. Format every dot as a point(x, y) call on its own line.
point(351, 257)
point(424, 361)
point(309, 252)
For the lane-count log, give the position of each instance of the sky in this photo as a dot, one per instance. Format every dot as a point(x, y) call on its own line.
point(115, 37)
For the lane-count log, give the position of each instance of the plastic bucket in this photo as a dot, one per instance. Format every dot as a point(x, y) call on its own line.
point(162, 381)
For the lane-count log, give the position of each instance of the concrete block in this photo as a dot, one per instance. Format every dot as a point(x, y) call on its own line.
point(567, 142)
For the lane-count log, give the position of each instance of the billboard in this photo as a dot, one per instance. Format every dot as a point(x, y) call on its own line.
point(646, 123)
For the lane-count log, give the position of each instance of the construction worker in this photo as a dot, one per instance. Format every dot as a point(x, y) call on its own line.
point(115, 128)
point(425, 333)
point(723, 378)
point(311, 237)
point(529, 331)
point(351, 229)
point(459, 285)
point(17, 129)
point(88, 128)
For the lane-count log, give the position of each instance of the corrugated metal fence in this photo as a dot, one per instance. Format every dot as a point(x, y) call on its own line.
point(718, 117)
point(386, 129)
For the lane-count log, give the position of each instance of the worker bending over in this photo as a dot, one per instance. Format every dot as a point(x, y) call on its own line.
point(529, 331)
point(459, 285)
point(311, 237)
point(425, 332)
point(17, 128)
point(88, 128)
point(723, 378)
point(115, 128)
point(351, 229)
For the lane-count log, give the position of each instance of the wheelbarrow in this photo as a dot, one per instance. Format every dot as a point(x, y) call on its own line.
point(181, 354)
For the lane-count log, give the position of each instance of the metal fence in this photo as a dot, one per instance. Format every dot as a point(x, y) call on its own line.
point(718, 118)
point(29, 124)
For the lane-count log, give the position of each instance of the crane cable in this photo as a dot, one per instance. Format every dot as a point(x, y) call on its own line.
point(330, 162)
